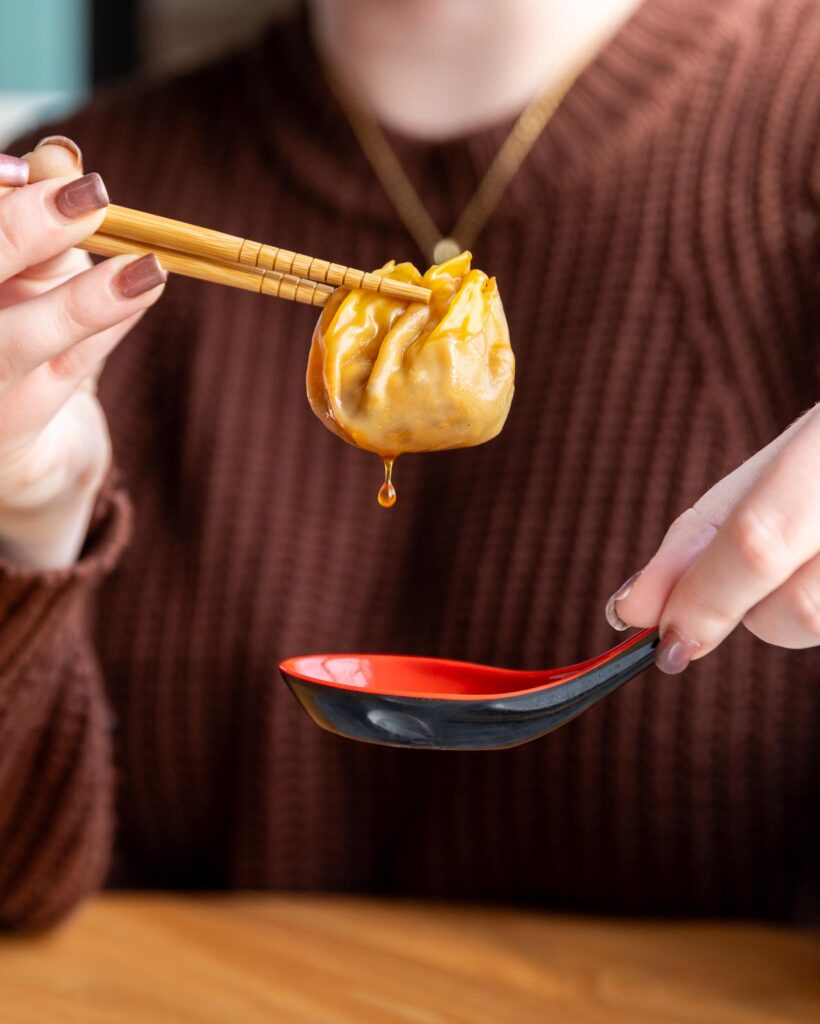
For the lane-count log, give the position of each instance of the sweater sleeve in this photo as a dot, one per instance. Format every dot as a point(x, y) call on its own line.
point(56, 777)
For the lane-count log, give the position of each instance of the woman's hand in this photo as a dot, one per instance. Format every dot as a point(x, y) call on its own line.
point(59, 319)
point(748, 551)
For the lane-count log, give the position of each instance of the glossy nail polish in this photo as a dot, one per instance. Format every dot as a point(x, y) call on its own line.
point(139, 277)
point(674, 652)
point(66, 143)
point(611, 612)
point(13, 171)
point(81, 197)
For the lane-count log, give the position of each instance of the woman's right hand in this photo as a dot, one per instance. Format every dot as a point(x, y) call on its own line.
point(59, 319)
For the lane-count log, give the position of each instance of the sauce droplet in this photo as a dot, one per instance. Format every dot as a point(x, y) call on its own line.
point(387, 492)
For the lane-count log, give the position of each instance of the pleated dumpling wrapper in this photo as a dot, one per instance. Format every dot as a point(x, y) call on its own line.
point(394, 377)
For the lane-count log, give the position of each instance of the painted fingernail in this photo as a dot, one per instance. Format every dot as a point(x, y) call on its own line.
point(81, 197)
point(611, 612)
point(66, 143)
point(674, 652)
point(139, 277)
point(13, 170)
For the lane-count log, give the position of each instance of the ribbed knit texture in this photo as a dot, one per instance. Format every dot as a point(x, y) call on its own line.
point(658, 260)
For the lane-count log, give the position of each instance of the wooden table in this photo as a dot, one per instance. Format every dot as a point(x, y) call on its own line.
point(319, 960)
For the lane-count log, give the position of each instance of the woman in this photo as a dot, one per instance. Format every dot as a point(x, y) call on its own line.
point(657, 253)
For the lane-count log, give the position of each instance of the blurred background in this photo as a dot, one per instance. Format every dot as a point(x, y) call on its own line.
point(54, 53)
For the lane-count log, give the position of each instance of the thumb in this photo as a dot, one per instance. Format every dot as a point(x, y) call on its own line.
point(54, 157)
point(640, 601)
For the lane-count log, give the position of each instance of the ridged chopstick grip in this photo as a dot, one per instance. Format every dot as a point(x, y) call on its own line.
point(269, 257)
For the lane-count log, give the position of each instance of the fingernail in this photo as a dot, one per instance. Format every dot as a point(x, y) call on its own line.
point(611, 612)
point(139, 277)
point(13, 170)
point(66, 143)
point(674, 652)
point(80, 197)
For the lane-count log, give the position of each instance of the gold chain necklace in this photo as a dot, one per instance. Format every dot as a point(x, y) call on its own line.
point(505, 165)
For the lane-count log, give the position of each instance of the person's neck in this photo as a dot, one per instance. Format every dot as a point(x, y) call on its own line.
point(437, 69)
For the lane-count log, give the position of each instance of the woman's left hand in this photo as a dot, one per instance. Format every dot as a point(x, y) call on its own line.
point(748, 551)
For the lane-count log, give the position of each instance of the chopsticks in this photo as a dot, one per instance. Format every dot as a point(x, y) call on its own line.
point(205, 253)
point(237, 262)
point(265, 282)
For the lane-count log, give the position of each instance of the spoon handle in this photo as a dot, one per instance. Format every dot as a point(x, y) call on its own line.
point(602, 675)
point(637, 649)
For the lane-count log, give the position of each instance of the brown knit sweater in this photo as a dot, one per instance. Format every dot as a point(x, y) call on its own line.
point(657, 257)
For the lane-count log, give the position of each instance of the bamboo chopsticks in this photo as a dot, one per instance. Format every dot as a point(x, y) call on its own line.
point(266, 282)
point(239, 262)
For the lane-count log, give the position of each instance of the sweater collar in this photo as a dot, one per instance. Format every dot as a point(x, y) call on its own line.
point(308, 146)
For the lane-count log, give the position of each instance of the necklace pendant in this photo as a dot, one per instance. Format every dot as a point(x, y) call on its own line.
point(445, 249)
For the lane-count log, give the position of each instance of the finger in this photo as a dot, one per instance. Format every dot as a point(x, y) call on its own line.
point(47, 160)
point(87, 359)
point(40, 278)
point(769, 535)
point(42, 220)
point(34, 401)
point(14, 172)
point(55, 156)
point(790, 617)
point(639, 602)
point(47, 329)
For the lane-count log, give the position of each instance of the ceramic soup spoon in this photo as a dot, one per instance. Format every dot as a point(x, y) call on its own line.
point(438, 704)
